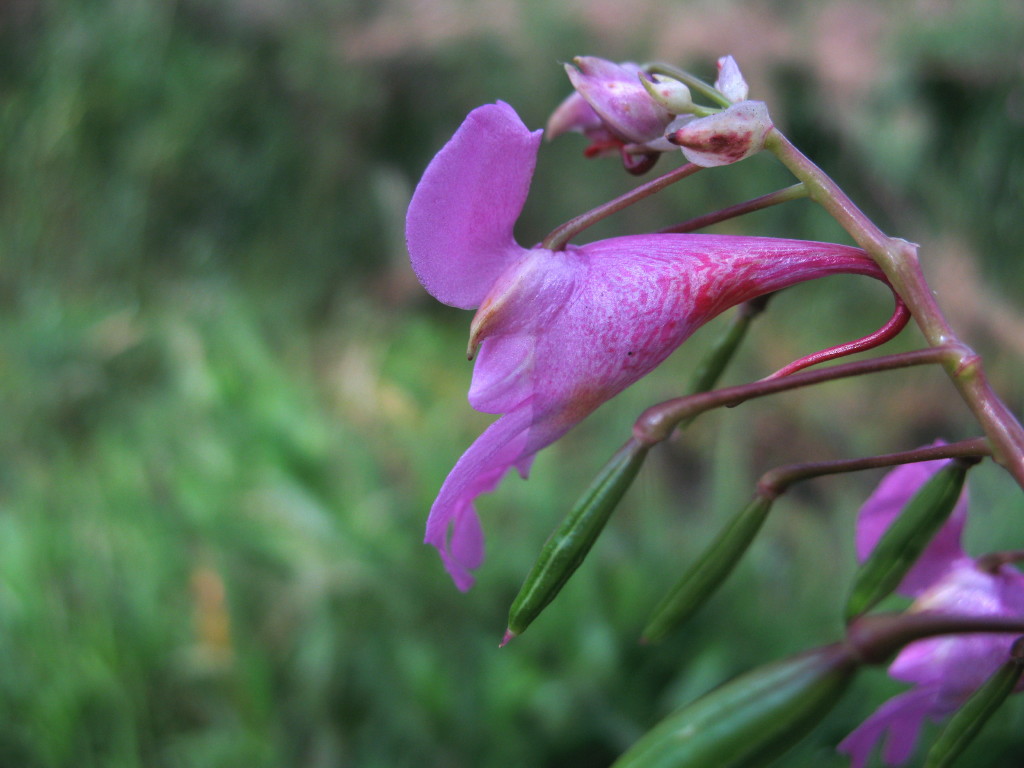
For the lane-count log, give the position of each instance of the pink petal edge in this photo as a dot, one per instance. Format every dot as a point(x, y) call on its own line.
point(460, 220)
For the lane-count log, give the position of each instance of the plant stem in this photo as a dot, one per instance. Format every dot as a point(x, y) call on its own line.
point(878, 637)
point(795, 192)
point(558, 238)
point(776, 481)
point(657, 422)
point(898, 260)
point(692, 82)
point(993, 561)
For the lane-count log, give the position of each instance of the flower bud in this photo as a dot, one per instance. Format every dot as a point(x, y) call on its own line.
point(616, 95)
point(730, 81)
point(669, 93)
point(751, 719)
point(731, 135)
point(905, 540)
point(704, 577)
point(570, 543)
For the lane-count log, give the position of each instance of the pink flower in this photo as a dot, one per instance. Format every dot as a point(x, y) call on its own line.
point(560, 332)
point(609, 101)
point(610, 107)
point(945, 670)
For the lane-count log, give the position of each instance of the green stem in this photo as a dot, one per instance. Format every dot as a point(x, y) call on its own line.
point(898, 260)
point(558, 238)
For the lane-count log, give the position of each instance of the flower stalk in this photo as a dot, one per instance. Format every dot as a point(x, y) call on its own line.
point(899, 261)
point(561, 235)
point(657, 422)
point(794, 192)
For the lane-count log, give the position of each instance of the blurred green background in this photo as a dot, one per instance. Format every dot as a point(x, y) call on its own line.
point(227, 405)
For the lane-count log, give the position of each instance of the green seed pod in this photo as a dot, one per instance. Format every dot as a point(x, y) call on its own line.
point(703, 578)
point(570, 543)
point(750, 720)
point(905, 540)
point(968, 721)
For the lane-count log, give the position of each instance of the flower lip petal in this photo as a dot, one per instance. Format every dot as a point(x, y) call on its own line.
point(460, 219)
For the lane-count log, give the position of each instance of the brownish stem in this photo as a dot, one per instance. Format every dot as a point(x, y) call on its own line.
point(898, 260)
point(657, 422)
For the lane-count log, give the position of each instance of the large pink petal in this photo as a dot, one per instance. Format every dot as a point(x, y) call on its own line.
point(453, 526)
point(887, 502)
point(459, 225)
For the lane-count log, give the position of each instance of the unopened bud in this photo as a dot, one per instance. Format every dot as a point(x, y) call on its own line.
point(730, 80)
point(669, 92)
point(727, 137)
point(614, 93)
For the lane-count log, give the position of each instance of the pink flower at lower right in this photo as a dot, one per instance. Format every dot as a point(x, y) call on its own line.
point(945, 671)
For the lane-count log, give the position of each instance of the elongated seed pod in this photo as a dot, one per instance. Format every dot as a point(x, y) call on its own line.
point(905, 540)
point(704, 577)
point(750, 720)
point(570, 543)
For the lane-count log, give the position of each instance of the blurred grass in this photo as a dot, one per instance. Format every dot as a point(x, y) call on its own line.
point(227, 406)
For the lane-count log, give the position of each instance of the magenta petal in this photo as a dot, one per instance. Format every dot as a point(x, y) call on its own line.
point(573, 114)
point(560, 333)
point(958, 664)
point(616, 95)
point(453, 526)
point(501, 376)
point(459, 225)
point(885, 505)
point(902, 717)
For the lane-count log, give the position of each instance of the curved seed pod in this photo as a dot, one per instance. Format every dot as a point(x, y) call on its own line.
point(751, 719)
point(968, 721)
point(703, 578)
point(570, 543)
point(905, 540)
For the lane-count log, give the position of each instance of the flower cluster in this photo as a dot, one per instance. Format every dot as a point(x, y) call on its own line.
point(558, 332)
point(622, 109)
point(945, 671)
